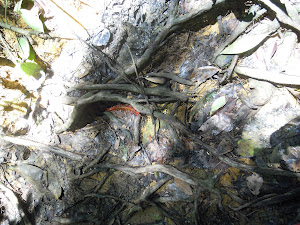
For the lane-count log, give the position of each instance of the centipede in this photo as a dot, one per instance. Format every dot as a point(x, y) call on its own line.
point(124, 108)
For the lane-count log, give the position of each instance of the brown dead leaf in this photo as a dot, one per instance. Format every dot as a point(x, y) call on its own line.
point(226, 180)
point(225, 146)
point(185, 187)
point(254, 183)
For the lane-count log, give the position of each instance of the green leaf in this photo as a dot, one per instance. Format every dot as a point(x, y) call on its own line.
point(24, 48)
point(32, 19)
point(18, 6)
point(245, 43)
point(31, 69)
point(26, 51)
point(217, 104)
point(148, 130)
point(32, 54)
point(246, 147)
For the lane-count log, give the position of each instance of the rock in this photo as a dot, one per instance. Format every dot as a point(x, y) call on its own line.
point(102, 38)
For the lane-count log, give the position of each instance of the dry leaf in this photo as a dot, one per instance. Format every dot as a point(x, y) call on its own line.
point(254, 183)
point(185, 187)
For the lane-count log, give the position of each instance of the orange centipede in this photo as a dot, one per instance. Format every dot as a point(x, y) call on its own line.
point(126, 108)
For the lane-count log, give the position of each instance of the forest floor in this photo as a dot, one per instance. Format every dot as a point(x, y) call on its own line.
point(150, 112)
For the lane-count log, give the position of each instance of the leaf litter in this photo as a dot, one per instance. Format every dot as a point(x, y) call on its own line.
point(116, 161)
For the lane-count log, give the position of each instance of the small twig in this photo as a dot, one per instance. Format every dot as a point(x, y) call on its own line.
point(233, 196)
point(174, 108)
point(151, 189)
point(157, 100)
point(97, 159)
point(196, 212)
point(70, 16)
point(173, 10)
point(88, 174)
point(143, 92)
point(270, 199)
point(103, 180)
point(253, 202)
point(25, 32)
point(5, 12)
point(230, 69)
point(278, 198)
point(220, 26)
point(136, 129)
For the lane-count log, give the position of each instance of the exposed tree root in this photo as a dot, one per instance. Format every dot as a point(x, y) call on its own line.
point(155, 91)
point(241, 166)
point(104, 96)
point(42, 147)
point(108, 94)
point(173, 24)
point(270, 199)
